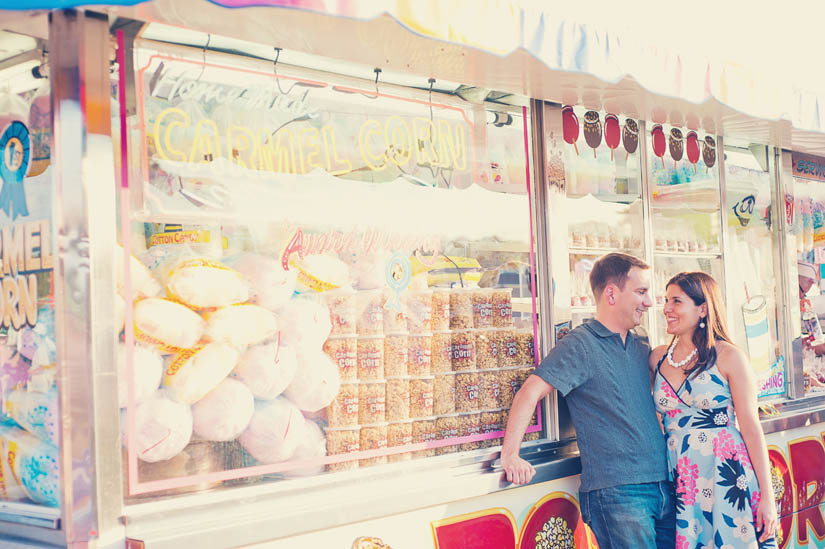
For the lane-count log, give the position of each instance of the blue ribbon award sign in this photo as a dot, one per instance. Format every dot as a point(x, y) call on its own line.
point(15, 148)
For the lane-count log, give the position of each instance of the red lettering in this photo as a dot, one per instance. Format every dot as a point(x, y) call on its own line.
point(783, 484)
point(295, 245)
point(807, 459)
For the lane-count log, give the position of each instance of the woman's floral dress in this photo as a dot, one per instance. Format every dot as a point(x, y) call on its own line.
point(717, 492)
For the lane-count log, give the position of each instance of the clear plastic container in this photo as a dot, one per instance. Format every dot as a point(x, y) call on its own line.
point(343, 350)
point(466, 392)
point(463, 350)
point(372, 402)
point(444, 394)
point(486, 350)
point(396, 354)
point(370, 358)
point(502, 307)
point(423, 430)
point(442, 353)
point(399, 434)
point(419, 310)
point(524, 346)
point(394, 320)
point(373, 437)
point(461, 309)
point(398, 398)
point(369, 309)
point(469, 425)
point(492, 421)
point(342, 311)
point(507, 352)
point(441, 310)
point(489, 389)
point(482, 300)
point(447, 429)
point(344, 440)
point(343, 411)
point(421, 396)
point(419, 354)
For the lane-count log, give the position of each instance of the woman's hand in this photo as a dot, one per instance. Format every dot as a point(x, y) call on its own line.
point(767, 519)
point(518, 470)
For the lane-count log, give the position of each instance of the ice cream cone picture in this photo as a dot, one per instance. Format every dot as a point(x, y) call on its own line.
point(675, 145)
point(709, 152)
point(659, 142)
point(692, 148)
point(570, 127)
point(630, 136)
point(592, 130)
point(612, 133)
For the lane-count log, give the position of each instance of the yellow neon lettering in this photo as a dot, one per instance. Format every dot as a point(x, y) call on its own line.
point(207, 143)
point(286, 154)
point(370, 128)
point(171, 125)
point(424, 130)
point(397, 135)
point(331, 148)
point(240, 141)
point(311, 143)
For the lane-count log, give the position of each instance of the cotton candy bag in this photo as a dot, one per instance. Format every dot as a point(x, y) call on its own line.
point(240, 325)
point(192, 373)
point(143, 283)
point(276, 430)
point(33, 464)
point(10, 487)
point(147, 371)
point(313, 446)
point(267, 369)
point(305, 323)
point(168, 325)
point(270, 286)
point(163, 428)
point(203, 283)
point(35, 411)
point(224, 412)
point(316, 382)
point(320, 273)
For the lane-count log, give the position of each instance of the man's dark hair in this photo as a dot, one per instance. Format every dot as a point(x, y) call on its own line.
point(613, 269)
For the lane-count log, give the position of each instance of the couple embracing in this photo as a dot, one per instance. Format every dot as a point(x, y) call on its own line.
point(703, 483)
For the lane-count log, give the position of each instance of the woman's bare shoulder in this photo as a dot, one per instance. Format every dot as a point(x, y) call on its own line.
point(731, 359)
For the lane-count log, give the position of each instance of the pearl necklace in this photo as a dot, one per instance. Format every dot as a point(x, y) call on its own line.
point(681, 363)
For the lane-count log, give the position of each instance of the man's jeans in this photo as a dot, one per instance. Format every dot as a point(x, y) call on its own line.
point(632, 516)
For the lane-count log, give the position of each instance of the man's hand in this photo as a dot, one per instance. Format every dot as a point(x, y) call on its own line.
point(517, 470)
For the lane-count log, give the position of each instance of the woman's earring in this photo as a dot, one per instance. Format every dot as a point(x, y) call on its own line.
point(702, 323)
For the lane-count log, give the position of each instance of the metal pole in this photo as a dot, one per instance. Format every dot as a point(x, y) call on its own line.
point(84, 282)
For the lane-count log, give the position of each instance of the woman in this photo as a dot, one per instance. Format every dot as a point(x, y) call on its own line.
point(702, 384)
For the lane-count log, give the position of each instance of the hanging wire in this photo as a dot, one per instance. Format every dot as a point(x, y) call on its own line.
point(203, 63)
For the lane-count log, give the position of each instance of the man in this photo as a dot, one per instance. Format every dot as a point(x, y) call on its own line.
point(602, 370)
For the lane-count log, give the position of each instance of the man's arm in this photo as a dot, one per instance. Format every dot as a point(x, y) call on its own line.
point(517, 469)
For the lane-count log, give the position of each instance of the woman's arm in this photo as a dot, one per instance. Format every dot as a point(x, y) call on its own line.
point(735, 366)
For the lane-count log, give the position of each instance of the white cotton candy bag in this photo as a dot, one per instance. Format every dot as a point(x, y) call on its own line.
point(224, 412)
point(192, 373)
point(305, 323)
point(241, 325)
point(316, 382)
point(312, 446)
point(147, 371)
point(143, 283)
point(270, 286)
point(267, 369)
point(163, 428)
point(320, 273)
point(167, 325)
point(275, 431)
point(203, 283)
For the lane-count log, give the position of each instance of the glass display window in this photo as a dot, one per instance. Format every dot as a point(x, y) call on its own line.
point(325, 275)
point(595, 201)
point(752, 266)
point(683, 174)
point(29, 413)
point(809, 230)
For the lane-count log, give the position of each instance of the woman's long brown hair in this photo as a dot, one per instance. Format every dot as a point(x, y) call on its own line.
point(702, 288)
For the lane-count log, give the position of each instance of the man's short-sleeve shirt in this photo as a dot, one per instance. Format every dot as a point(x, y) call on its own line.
point(607, 388)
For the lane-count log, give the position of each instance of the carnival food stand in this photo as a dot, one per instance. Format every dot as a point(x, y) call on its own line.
point(263, 287)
